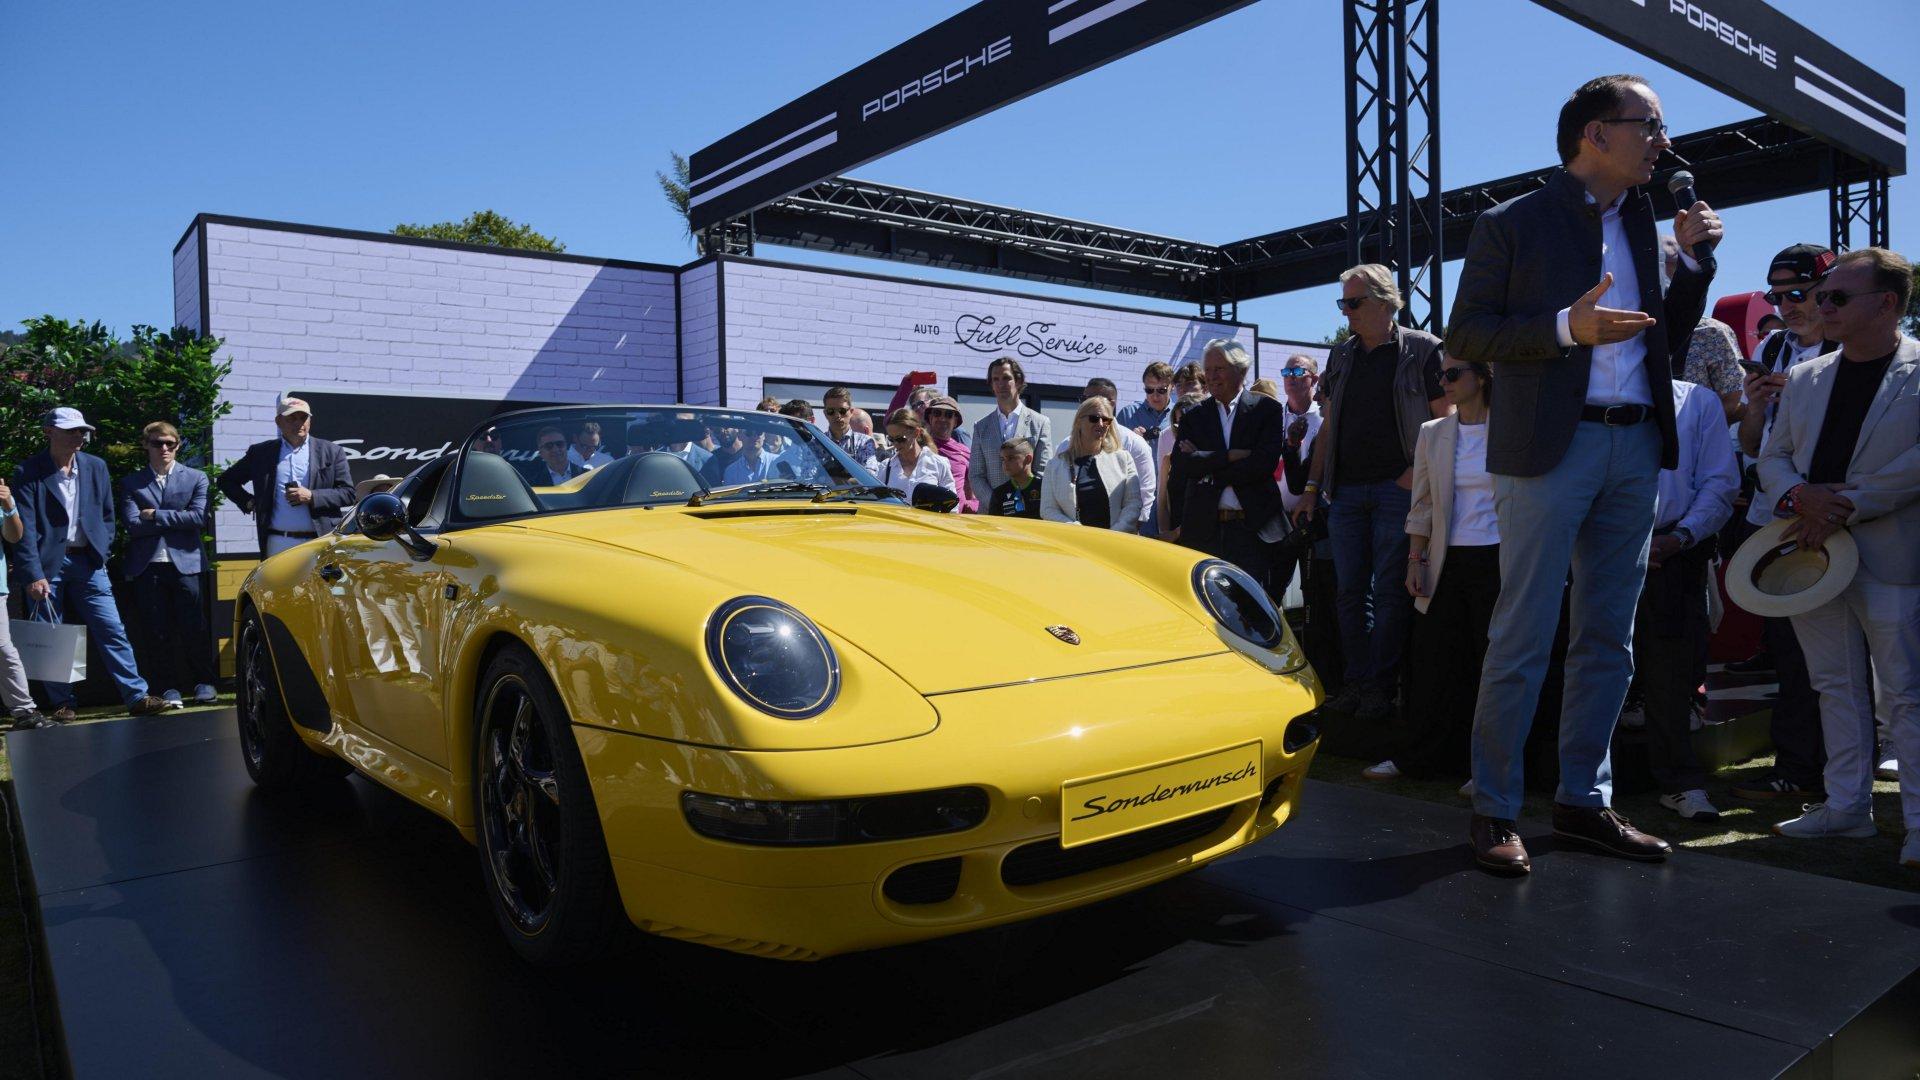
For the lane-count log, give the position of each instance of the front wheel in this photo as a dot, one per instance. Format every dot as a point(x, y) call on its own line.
point(276, 758)
point(541, 848)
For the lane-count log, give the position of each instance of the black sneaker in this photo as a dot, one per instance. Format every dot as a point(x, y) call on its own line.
point(1347, 701)
point(1760, 663)
point(1375, 706)
point(1777, 787)
point(32, 718)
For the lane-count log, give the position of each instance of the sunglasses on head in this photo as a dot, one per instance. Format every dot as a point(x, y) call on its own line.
point(1796, 295)
point(1294, 373)
point(1839, 297)
point(1453, 374)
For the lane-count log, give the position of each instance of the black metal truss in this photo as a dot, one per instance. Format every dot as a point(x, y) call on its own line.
point(1392, 51)
point(1856, 193)
point(1748, 162)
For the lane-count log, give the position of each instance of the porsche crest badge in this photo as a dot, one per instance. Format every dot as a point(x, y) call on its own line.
point(1064, 633)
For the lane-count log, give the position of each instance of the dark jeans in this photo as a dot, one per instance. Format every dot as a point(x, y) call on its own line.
point(1368, 523)
point(175, 650)
point(1799, 752)
point(1239, 543)
point(1669, 650)
point(1443, 677)
point(1322, 637)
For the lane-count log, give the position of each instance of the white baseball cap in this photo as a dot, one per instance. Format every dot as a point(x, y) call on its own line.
point(65, 419)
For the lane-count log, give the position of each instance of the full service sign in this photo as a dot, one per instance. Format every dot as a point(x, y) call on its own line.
point(992, 54)
point(1753, 52)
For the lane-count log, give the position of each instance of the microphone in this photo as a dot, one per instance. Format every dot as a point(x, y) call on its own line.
point(1681, 185)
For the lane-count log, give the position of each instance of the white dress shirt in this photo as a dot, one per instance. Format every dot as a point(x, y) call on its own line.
point(66, 488)
point(293, 466)
point(1288, 500)
point(1697, 495)
point(1228, 500)
point(930, 469)
point(600, 457)
point(1619, 372)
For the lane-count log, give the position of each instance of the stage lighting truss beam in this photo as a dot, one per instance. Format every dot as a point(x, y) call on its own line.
point(1856, 194)
point(1392, 58)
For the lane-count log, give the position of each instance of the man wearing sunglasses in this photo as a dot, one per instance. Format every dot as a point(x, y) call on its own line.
point(1577, 435)
point(838, 405)
point(1845, 454)
point(164, 509)
point(553, 466)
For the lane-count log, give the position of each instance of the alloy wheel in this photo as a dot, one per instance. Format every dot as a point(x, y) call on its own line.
point(520, 805)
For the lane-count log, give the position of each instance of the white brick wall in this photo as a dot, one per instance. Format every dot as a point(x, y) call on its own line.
point(1274, 353)
point(700, 335)
point(786, 323)
point(186, 282)
point(298, 309)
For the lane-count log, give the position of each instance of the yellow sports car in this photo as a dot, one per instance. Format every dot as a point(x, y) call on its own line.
point(727, 687)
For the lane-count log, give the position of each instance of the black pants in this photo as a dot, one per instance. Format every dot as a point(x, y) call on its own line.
point(176, 653)
point(1239, 543)
point(1799, 752)
point(1669, 650)
point(1322, 637)
point(1443, 679)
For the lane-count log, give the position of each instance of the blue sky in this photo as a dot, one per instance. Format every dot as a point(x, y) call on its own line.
point(123, 120)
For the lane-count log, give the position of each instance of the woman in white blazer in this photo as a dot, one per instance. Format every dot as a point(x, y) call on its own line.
point(1453, 572)
point(915, 461)
point(1091, 480)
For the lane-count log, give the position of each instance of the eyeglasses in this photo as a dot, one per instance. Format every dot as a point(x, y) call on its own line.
point(553, 444)
point(1652, 126)
point(1350, 303)
point(1156, 391)
point(1839, 297)
point(1294, 373)
point(163, 444)
point(1798, 296)
point(836, 412)
point(1453, 374)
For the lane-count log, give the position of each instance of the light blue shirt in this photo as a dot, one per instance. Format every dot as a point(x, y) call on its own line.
point(1697, 494)
point(292, 466)
point(741, 471)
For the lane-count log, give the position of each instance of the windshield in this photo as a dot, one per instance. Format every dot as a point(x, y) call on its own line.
point(587, 457)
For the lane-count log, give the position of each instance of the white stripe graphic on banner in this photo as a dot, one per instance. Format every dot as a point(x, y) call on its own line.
point(753, 174)
point(1058, 4)
point(789, 137)
point(1097, 15)
point(1834, 103)
point(1802, 61)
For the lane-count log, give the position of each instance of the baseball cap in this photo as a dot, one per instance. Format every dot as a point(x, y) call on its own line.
point(1807, 263)
point(290, 405)
point(66, 419)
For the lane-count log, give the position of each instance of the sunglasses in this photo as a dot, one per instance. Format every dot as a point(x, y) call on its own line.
point(948, 413)
point(1294, 373)
point(1652, 126)
point(1839, 297)
point(1103, 421)
point(1156, 391)
point(164, 444)
point(1350, 303)
point(1798, 296)
point(553, 444)
point(836, 412)
point(1453, 374)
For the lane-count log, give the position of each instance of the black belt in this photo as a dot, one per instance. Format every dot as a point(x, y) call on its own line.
point(1617, 415)
point(294, 535)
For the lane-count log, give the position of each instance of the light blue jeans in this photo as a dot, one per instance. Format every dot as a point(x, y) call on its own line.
point(82, 592)
point(1593, 514)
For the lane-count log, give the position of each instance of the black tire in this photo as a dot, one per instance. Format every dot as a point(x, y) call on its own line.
point(542, 853)
point(275, 757)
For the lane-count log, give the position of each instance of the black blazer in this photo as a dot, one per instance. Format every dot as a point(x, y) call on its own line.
point(535, 471)
point(1528, 258)
point(248, 481)
point(1197, 478)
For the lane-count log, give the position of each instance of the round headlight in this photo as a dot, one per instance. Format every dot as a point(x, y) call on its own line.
point(773, 657)
point(1238, 603)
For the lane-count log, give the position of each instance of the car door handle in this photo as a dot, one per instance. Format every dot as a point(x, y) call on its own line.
point(331, 572)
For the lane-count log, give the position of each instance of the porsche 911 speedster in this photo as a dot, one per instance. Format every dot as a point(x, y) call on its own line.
point(728, 687)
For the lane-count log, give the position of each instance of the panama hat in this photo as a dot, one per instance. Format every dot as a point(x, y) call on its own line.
point(374, 485)
point(1773, 576)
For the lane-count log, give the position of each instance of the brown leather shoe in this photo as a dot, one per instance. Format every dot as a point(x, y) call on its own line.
point(1497, 846)
point(149, 705)
point(1608, 831)
point(64, 714)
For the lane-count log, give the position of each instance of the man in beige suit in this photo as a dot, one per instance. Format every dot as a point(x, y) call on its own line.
point(1845, 450)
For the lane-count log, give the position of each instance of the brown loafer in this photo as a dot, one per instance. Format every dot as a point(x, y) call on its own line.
point(64, 715)
point(149, 705)
point(1497, 847)
point(1608, 831)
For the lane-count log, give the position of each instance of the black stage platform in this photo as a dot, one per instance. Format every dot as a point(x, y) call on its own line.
point(196, 929)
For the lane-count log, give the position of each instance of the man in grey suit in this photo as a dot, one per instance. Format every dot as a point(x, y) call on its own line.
point(164, 510)
point(1008, 421)
point(1845, 451)
point(1576, 439)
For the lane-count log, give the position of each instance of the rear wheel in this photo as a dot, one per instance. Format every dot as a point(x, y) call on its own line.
point(276, 758)
point(541, 849)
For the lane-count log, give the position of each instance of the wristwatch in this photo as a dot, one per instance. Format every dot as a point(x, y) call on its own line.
point(1685, 535)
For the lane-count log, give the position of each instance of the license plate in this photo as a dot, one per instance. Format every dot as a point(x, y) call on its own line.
point(1124, 802)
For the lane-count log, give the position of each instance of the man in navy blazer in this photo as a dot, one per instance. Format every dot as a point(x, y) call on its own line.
point(66, 506)
point(1222, 483)
point(295, 486)
point(164, 508)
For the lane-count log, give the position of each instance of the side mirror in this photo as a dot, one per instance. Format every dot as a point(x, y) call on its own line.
point(383, 517)
point(935, 498)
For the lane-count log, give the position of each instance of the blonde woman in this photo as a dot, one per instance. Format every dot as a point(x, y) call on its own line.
point(1092, 481)
point(914, 461)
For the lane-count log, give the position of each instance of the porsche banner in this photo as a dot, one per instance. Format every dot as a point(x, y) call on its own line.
point(396, 433)
point(992, 54)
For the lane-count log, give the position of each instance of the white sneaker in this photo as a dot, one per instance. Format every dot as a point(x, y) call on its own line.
point(1886, 766)
point(1819, 820)
point(205, 694)
point(1633, 717)
point(1910, 851)
point(1692, 805)
point(1386, 770)
point(172, 698)
point(1467, 789)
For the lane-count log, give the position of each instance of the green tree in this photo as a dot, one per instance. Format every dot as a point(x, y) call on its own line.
point(485, 227)
point(674, 185)
point(1338, 336)
point(1911, 323)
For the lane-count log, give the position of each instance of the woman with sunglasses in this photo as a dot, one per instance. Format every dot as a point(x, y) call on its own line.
point(915, 461)
point(1093, 481)
point(1450, 527)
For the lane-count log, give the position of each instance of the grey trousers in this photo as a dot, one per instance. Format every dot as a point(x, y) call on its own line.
point(13, 673)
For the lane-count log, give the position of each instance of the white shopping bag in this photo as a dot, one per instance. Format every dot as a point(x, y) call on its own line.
point(52, 652)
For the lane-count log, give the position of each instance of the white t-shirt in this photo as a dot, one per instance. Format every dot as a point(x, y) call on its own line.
point(930, 469)
point(1288, 500)
point(1473, 522)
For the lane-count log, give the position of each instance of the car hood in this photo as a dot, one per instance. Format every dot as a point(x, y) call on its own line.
point(948, 603)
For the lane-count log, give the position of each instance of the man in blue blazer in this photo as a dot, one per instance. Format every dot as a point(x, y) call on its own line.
point(164, 508)
point(66, 505)
point(295, 486)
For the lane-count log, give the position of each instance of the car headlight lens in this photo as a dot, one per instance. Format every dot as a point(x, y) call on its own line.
point(773, 657)
point(1238, 603)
